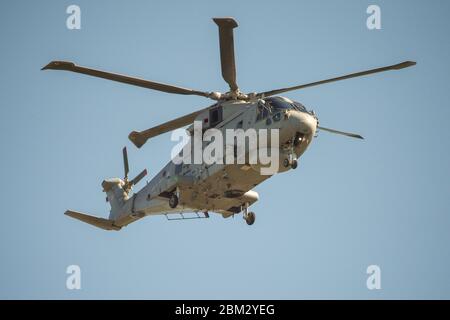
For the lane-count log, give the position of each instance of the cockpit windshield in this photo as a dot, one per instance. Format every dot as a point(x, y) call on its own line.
point(274, 105)
point(279, 103)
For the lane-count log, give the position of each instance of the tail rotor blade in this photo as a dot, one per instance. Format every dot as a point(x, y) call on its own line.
point(347, 134)
point(125, 161)
point(139, 177)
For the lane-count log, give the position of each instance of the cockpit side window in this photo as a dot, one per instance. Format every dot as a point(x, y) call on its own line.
point(263, 111)
point(259, 110)
point(299, 106)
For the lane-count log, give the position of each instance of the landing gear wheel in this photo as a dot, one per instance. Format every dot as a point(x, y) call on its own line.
point(173, 201)
point(294, 164)
point(286, 163)
point(250, 218)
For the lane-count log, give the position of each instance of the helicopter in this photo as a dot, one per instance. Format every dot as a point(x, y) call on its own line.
point(222, 187)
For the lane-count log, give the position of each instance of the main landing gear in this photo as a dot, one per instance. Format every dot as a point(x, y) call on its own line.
point(249, 217)
point(173, 201)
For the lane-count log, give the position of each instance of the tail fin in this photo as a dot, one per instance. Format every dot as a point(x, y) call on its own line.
point(117, 191)
point(96, 222)
point(116, 196)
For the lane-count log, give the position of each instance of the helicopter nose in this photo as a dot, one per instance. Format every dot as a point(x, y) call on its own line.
point(304, 123)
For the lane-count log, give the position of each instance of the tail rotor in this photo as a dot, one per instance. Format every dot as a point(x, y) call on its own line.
point(128, 184)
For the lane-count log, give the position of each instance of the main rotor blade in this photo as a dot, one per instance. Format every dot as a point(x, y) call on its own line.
point(125, 162)
point(139, 177)
point(70, 66)
point(226, 26)
point(398, 66)
point(140, 138)
point(348, 134)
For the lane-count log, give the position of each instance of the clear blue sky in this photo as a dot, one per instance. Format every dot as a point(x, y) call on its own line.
point(350, 204)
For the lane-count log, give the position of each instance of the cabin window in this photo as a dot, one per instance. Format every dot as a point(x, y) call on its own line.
point(215, 116)
point(277, 117)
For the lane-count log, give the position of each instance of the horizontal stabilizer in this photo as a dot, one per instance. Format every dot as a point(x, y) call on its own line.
point(96, 222)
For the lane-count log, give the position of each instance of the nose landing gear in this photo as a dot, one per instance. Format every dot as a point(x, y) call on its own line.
point(294, 164)
point(290, 162)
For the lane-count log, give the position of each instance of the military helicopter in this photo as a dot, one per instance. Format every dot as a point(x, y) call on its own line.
point(200, 188)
